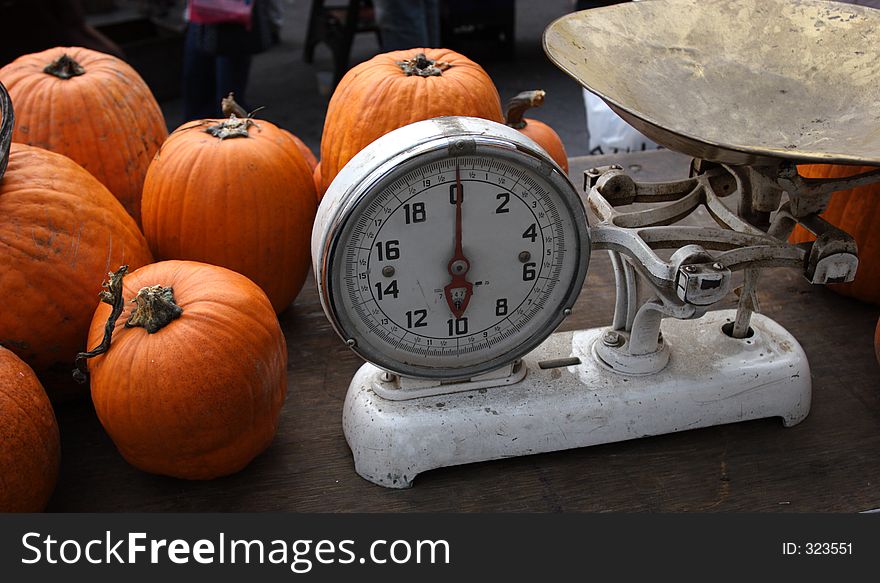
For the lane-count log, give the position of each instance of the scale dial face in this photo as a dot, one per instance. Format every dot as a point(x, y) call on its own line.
point(454, 257)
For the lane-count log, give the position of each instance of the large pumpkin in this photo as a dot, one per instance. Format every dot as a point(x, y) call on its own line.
point(236, 193)
point(544, 135)
point(398, 88)
point(94, 109)
point(196, 371)
point(29, 444)
point(60, 230)
point(856, 211)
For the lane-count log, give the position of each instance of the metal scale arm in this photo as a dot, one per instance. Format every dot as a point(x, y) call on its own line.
point(698, 272)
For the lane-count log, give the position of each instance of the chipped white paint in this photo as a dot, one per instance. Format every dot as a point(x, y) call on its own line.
point(711, 379)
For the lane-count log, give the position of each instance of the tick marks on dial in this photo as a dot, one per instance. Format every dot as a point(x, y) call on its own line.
point(491, 239)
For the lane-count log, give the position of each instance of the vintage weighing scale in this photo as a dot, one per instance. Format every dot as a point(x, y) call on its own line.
point(448, 251)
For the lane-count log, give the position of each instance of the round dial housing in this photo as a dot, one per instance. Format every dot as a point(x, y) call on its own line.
point(448, 248)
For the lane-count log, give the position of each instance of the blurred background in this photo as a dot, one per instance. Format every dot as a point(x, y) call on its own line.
point(293, 84)
point(307, 45)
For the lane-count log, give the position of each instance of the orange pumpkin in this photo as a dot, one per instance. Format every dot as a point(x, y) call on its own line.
point(196, 371)
point(856, 211)
point(319, 185)
point(236, 193)
point(398, 88)
point(91, 107)
point(307, 153)
point(59, 230)
point(30, 448)
point(544, 135)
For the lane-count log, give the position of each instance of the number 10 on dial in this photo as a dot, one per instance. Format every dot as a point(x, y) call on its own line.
point(445, 250)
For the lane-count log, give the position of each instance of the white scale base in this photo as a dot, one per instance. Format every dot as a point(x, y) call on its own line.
point(711, 379)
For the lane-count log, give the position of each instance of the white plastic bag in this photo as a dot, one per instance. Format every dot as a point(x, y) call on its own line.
point(608, 133)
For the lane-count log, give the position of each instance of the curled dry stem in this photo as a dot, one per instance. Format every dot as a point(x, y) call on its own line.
point(111, 294)
point(519, 104)
point(238, 123)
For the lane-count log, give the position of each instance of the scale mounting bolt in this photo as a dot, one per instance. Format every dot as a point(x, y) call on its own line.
point(351, 342)
point(717, 266)
point(612, 339)
point(566, 312)
point(387, 377)
point(524, 256)
point(388, 271)
point(689, 268)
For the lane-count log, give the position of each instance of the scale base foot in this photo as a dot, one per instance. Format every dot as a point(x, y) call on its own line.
point(711, 379)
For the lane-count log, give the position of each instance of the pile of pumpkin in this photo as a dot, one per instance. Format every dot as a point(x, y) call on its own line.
point(188, 363)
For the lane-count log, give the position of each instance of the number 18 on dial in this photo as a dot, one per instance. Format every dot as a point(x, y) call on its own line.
point(449, 248)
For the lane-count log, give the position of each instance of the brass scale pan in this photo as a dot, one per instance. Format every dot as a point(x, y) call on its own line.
point(744, 82)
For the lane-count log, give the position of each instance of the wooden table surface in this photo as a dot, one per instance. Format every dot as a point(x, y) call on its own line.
point(830, 462)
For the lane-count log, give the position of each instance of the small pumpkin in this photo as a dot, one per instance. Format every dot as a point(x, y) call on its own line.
point(234, 192)
point(30, 447)
point(91, 107)
point(195, 371)
point(397, 88)
point(544, 135)
point(856, 211)
point(59, 229)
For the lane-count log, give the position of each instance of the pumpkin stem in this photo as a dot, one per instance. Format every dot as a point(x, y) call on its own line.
point(230, 107)
point(422, 66)
point(234, 127)
point(64, 67)
point(111, 294)
point(155, 308)
point(518, 106)
point(7, 119)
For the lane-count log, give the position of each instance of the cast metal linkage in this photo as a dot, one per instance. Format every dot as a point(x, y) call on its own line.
point(698, 273)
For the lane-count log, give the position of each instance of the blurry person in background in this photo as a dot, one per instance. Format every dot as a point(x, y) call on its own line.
point(276, 19)
point(221, 38)
point(407, 24)
point(36, 25)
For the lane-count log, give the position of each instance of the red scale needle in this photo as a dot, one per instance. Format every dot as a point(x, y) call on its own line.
point(459, 290)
